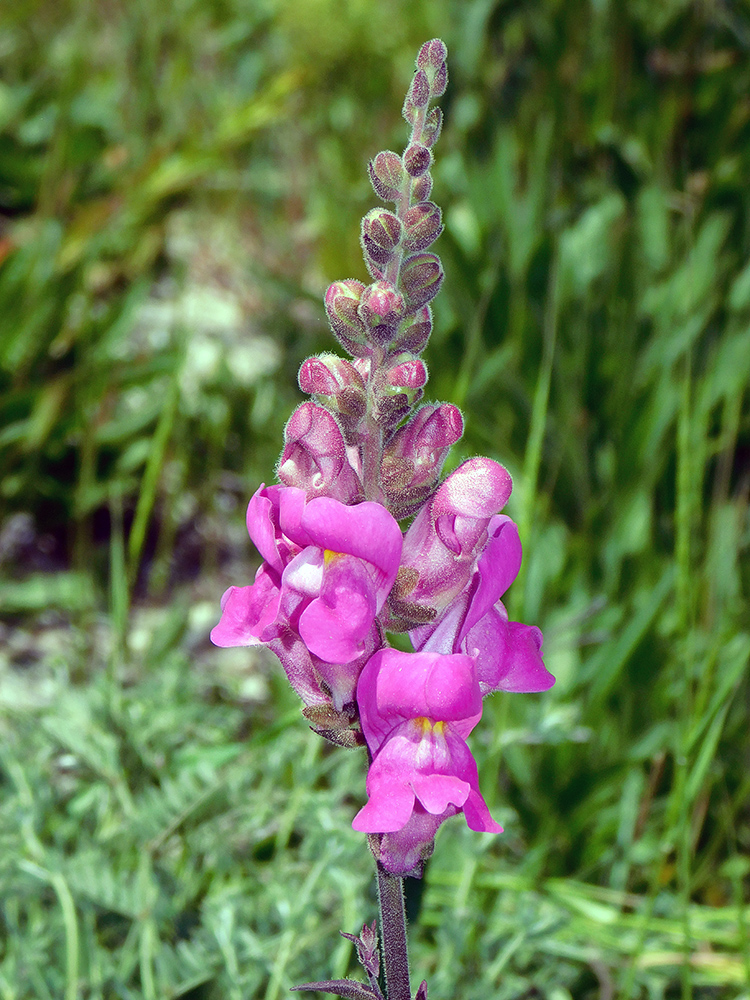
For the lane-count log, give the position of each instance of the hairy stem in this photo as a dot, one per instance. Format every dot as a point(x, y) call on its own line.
point(372, 436)
point(393, 935)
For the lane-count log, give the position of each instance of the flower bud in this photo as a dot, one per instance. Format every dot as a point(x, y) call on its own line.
point(450, 530)
point(432, 54)
point(421, 188)
point(315, 457)
point(421, 277)
point(415, 331)
point(423, 225)
point(414, 457)
point(439, 82)
point(387, 175)
point(419, 93)
point(336, 381)
point(381, 234)
point(417, 160)
point(341, 302)
point(409, 374)
point(432, 127)
point(381, 307)
point(431, 59)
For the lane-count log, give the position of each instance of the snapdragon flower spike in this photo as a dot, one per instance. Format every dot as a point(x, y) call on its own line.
point(446, 536)
point(508, 654)
point(326, 573)
point(416, 711)
point(316, 457)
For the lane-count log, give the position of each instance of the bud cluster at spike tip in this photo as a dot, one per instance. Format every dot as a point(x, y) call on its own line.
point(338, 571)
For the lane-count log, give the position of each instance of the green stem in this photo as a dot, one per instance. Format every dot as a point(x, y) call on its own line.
point(393, 935)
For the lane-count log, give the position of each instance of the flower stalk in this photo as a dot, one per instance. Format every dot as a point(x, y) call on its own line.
point(340, 572)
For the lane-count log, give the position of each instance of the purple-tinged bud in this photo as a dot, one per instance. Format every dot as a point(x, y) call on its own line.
point(336, 381)
point(410, 374)
point(432, 127)
point(316, 377)
point(315, 456)
point(415, 332)
point(421, 188)
point(423, 225)
point(440, 82)
point(421, 277)
point(419, 94)
point(450, 530)
point(381, 234)
point(387, 175)
point(414, 457)
point(432, 54)
point(417, 160)
point(381, 306)
point(341, 301)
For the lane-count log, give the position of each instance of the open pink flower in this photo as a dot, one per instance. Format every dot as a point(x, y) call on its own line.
point(416, 711)
point(507, 654)
point(326, 573)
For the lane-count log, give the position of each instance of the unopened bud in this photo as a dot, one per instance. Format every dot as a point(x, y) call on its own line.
point(432, 127)
point(336, 382)
point(423, 225)
point(381, 234)
point(381, 306)
point(419, 94)
point(432, 54)
point(423, 444)
point(342, 301)
point(431, 59)
point(439, 82)
point(315, 456)
point(387, 175)
point(421, 188)
point(417, 160)
point(409, 374)
point(415, 332)
point(421, 277)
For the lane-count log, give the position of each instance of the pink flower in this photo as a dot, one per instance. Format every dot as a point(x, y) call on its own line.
point(416, 711)
point(326, 573)
point(442, 543)
point(507, 654)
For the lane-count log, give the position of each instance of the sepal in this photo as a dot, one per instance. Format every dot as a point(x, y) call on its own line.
point(367, 951)
point(414, 331)
point(339, 728)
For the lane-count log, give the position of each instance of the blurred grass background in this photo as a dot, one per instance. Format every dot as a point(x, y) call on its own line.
point(178, 183)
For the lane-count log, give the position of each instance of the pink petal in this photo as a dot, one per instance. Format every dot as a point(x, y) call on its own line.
point(247, 612)
point(437, 791)
point(366, 530)
point(335, 624)
point(508, 654)
point(395, 687)
point(497, 568)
